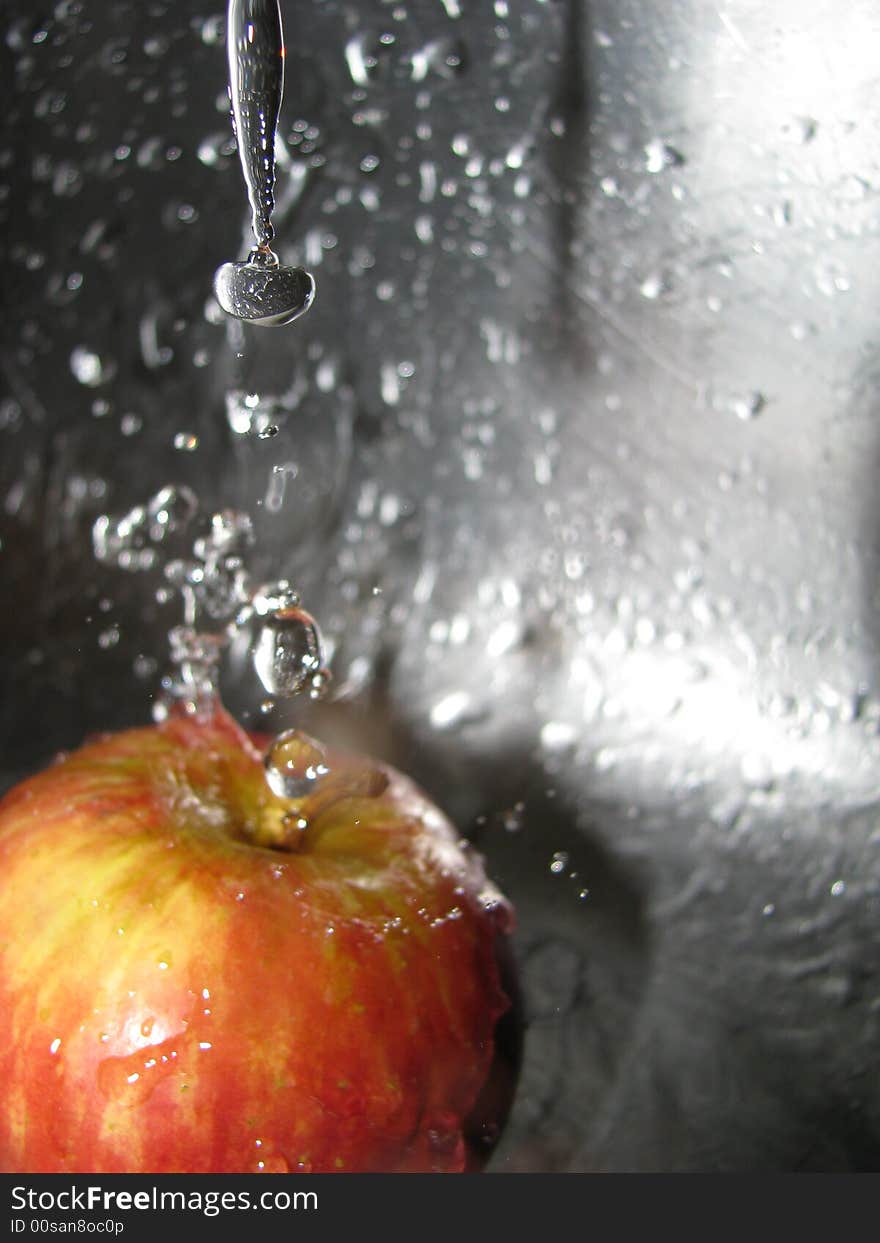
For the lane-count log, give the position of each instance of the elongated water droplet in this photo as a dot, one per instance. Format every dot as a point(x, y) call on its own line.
point(288, 651)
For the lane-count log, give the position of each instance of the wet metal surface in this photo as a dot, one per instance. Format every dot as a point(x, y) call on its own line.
point(574, 461)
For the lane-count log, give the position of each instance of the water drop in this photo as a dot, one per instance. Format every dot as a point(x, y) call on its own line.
point(191, 689)
point(287, 652)
point(213, 30)
point(319, 683)
point(746, 405)
point(122, 541)
point(445, 58)
point(171, 509)
point(427, 181)
point(295, 766)
point(270, 597)
point(363, 54)
point(514, 818)
point(654, 286)
point(108, 638)
point(559, 862)
point(659, 155)
point(215, 150)
point(132, 1078)
point(450, 710)
point(89, 368)
point(279, 476)
point(557, 736)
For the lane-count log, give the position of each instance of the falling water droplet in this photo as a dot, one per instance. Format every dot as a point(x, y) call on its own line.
point(288, 651)
point(295, 766)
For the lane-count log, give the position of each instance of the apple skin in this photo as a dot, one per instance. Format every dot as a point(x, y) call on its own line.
point(176, 996)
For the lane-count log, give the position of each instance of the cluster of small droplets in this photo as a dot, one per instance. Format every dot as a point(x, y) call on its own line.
point(218, 599)
point(213, 581)
point(131, 541)
point(190, 685)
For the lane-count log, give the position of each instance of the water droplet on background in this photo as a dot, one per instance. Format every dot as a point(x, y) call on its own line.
point(90, 368)
point(213, 584)
point(744, 405)
point(660, 155)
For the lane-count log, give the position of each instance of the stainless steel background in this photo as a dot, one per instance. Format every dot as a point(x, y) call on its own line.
point(581, 444)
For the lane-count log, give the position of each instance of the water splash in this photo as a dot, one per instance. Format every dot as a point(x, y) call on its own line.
point(204, 566)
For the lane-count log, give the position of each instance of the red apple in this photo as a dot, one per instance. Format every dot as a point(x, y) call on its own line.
point(198, 974)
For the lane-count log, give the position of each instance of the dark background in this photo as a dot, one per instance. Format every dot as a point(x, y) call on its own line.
point(581, 449)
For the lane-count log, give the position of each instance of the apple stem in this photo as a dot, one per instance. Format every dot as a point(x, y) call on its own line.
point(280, 828)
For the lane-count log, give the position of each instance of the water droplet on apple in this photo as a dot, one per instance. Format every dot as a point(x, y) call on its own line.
point(132, 1078)
point(295, 766)
point(275, 1164)
point(287, 652)
point(498, 910)
point(446, 1143)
